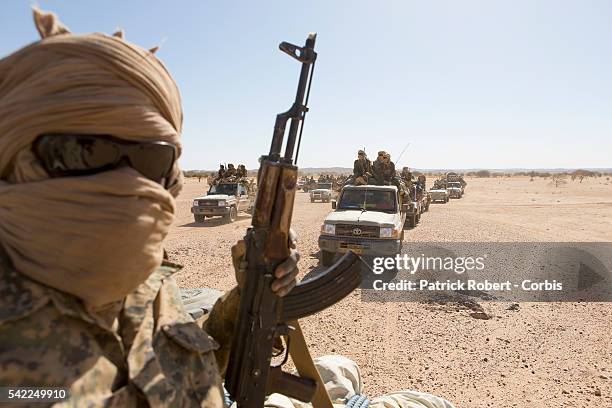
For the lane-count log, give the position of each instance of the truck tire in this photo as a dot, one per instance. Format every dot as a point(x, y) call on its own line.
point(231, 216)
point(199, 218)
point(327, 258)
point(411, 220)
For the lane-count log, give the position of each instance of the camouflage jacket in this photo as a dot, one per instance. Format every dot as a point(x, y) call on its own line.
point(361, 167)
point(383, 172)
point(150, 354)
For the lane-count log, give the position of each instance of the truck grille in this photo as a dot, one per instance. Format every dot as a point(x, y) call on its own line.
point(355, 244)
point(358, 231)
point(208, 203)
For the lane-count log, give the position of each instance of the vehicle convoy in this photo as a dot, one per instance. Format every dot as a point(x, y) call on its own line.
point(322, 192)
point(367, 219)
point(454, 189)
point(225, 200)
point(439, 195)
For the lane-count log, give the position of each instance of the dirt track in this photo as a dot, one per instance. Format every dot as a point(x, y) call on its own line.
point(541, 355)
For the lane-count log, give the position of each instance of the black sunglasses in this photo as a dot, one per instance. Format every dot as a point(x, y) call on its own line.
point(64, 155)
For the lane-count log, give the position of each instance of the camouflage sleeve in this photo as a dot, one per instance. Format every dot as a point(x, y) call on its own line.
point(356, 168)
point(219, 323)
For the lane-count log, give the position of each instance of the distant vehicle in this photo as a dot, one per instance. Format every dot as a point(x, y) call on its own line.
point(453, 177)
point(454, 189)
point(223, 200)
point(309, 185)
point(439, 195)
point(323, 193)
point(301, 183)
point(368, 220)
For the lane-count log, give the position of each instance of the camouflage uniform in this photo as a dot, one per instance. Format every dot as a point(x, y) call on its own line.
point(241, 172)
point(362, 168)
point(231, 171)
point(151, 354)
point(384, 171)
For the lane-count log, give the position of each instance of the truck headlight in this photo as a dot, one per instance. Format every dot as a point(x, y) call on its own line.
point(195, 203)
point(389, 232)
point(221, 203)
point(386, 232)
point(328, 229)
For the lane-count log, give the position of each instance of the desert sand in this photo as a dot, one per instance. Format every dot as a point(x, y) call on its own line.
point(536, 354)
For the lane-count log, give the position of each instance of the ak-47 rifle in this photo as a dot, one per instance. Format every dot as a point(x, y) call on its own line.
point(263, 316)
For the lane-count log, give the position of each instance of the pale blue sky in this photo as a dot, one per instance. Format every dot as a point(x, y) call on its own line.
point(469, 83)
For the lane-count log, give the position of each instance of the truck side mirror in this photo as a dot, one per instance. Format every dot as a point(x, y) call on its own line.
point(333, 204)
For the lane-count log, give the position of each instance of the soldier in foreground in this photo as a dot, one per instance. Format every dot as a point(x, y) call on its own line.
point(86, 300)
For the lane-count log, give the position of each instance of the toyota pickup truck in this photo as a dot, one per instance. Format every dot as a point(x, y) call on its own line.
point(322, 193)
point(223, 200)
point(439, 194)
point(454, 189)
point(368, 220)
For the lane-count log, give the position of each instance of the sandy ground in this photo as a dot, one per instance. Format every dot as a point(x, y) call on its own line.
point(540, 355)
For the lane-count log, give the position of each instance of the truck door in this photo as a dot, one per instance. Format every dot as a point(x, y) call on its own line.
point(242, 198)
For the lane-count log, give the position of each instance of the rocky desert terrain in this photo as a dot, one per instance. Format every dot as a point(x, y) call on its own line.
point(523, 355)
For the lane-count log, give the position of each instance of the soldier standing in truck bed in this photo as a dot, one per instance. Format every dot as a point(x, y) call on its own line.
point(241, 171)
point(362, 168)
point(231, 171)
point(383, 169)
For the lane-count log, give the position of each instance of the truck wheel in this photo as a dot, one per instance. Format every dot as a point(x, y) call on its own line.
point(231, 216)
point(327, 258)
point(199, 218)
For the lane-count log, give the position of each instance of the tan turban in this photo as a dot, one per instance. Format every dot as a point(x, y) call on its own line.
point(97, 237)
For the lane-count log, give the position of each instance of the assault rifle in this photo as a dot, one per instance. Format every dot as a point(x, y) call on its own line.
point(263, 316)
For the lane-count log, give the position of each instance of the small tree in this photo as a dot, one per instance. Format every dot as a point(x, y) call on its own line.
point(559, 179)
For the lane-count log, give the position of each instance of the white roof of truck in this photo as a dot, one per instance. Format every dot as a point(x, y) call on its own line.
point(370, 187)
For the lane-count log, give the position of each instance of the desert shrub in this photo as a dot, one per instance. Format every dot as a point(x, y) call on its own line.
point(483, 173)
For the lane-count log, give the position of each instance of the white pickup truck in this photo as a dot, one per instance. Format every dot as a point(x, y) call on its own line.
point(454, 188)
point(223, 200)
point(323, 193)
point(368, 220)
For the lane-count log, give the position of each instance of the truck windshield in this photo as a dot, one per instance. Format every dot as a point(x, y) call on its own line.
point(326, 186)
point(370, 200)
point(454, 184)
point(229, 189)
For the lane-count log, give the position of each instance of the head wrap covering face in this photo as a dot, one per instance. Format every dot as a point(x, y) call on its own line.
point(97, 237)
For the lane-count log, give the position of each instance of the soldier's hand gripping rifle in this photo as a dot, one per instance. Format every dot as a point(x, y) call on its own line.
point(262, 315)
